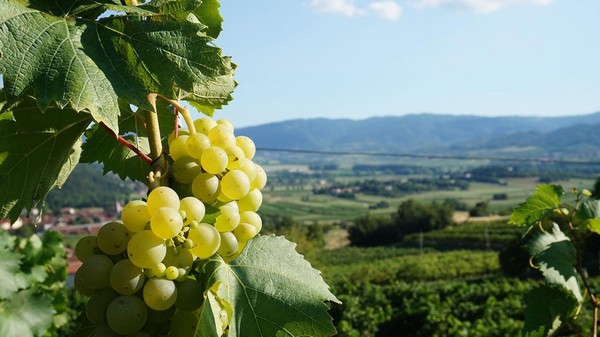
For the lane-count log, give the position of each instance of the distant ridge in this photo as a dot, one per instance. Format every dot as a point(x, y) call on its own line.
point(429, 132)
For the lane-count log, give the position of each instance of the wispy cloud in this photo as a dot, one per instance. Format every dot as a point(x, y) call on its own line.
point(386, 9)
point(344, 7)
point(478, 6)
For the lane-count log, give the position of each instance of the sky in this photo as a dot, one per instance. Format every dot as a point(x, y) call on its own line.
point(363, 58)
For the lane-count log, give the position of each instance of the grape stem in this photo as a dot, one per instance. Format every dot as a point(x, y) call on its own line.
point(125, 142)
point(159, 172)
point(185, 113)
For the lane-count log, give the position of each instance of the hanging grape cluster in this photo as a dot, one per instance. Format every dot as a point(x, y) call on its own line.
point(138, 271)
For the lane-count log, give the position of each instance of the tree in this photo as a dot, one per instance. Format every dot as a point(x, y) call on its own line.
point(414, 217)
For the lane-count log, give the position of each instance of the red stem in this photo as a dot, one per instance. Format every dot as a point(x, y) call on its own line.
point(176, 112)
point(125, 142)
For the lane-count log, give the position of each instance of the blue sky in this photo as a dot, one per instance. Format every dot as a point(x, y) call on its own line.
point(363, 58)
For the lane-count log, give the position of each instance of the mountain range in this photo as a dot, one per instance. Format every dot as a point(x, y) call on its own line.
point(564, 137)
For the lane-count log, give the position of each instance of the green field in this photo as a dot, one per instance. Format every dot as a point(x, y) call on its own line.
point(297, 200)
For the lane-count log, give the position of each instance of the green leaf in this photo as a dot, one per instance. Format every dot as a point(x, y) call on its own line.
point(88, 64)
point(555, 255)
point(546, 309)
point(208, 13)
point(593, 225)
point(102, 146)
point(545, 199)
point(9, 266)
point(588, 215)
point(37, 153)
point(272, 290)
point(210, 323)
point(25, 314)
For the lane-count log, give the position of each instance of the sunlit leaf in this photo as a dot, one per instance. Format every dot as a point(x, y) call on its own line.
point(273, 291)
point(545, 199)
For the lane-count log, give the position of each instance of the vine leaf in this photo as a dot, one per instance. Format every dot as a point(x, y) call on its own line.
point(9, 266)
point(272, 291)
point(546, 309)
point(208, 13)
point(30, 295)
point(102, 146)
point(25, 314)
point(37, 153)
point(87, 64)
point(545, 199)
point(588, 215)
point(555, 255)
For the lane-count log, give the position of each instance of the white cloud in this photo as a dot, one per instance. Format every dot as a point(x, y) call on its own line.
point(344, 7)
point(478, 6)
point(386, 9)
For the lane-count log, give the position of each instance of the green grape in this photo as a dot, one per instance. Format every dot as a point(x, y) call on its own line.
point(177, 149)
point(156, 317)
point(126, 278)
point(85, 247)
point(225, 122)
point(166, 223)
point(160, 294)
point(251, 218)
point(95, 308)
point(112, 238)
point(184, 323)
point(126, 314)
point(214, 160)
point(190, 295)
point(135, 215)
point(235, 184)
point(159, 269)
point(235, 156)
point(222, 198)
point(182, 274)
point(221, 136)
point(185, 169)
point(248, 167)
point(206, 240)
point(260, 180)
point(95, 271)
point(80, 284)
point(196, 144)
point(244, 232)
point(247, 145)
point(104, 330)
point(146, 250)
point(171, 273)
point(229, 217)
point(204, 125)
point(251, 202)
point(162, 197)
point(180, 132)
point(205, 187)
point(194, 209)
point(140, 334)
point(229, 244)
point(179, 258)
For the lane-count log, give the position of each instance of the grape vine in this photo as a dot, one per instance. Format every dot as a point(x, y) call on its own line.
point(558, 226)
point(104, 81)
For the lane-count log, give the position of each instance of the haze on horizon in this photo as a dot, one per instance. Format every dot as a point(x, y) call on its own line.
point(364, 58)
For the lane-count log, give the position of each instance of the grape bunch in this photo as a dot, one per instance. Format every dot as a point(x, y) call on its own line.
point(139, 272)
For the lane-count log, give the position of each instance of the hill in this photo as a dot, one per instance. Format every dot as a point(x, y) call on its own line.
point(428, 133)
